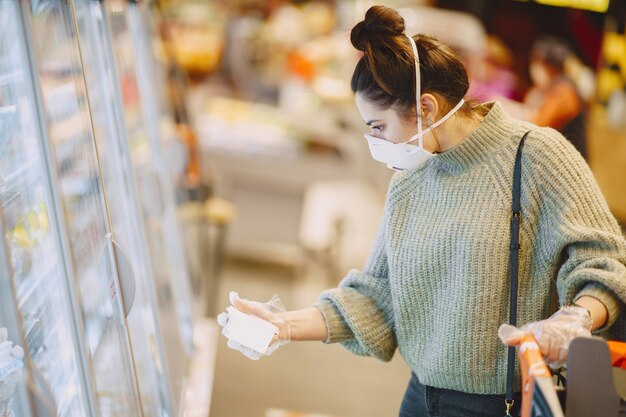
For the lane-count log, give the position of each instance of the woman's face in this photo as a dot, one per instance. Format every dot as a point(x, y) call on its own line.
point(385, 123)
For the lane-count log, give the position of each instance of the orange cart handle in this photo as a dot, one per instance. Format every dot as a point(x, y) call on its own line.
point(618, 353)
point(532, 366)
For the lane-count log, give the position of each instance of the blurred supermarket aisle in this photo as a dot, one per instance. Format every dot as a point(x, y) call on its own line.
point(304, 376)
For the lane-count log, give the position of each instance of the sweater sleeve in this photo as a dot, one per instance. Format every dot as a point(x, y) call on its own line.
point(579, 227)
point(359, 312)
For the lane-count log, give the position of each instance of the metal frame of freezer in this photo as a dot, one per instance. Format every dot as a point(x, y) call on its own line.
point(132, 49)
point(33, 275)
point(124, 206)
point(101, 287)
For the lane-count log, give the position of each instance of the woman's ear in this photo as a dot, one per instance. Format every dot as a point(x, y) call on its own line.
point(430, 109)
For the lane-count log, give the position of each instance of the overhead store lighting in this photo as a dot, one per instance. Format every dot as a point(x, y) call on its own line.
point(600, 6)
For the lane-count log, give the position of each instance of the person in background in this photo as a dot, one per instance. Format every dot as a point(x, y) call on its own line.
point(555, 99)
point(436, 284)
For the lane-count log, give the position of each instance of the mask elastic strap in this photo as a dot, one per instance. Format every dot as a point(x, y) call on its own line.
point(418, 93)
point(438, 122)
point(447, 116)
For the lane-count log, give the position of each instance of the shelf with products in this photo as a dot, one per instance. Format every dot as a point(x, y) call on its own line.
point(69, 118)
point(30, 243)
point(64, 98)
point(262, 132)
point(68, 151)
point(246, 128)
point(78, 187)
point(71, 128)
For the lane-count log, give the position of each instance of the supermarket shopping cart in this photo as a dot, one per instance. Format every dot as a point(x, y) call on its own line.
point(596, 380)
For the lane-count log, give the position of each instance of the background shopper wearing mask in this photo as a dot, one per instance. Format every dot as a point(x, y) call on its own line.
point(554, 99)
point(436, 283)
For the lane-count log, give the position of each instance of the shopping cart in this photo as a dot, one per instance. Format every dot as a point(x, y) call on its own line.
point(596, 380)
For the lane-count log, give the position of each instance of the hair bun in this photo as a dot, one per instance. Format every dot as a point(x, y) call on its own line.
point(380, 24)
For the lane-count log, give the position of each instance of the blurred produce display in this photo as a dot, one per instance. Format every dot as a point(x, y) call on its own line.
point(195, 33)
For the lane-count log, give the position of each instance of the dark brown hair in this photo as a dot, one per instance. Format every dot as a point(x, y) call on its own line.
point(553, 51)
point(385, 75)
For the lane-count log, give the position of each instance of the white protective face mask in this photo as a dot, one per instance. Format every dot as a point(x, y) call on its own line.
point(400, 156)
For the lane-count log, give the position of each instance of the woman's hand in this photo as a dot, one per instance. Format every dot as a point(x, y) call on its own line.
point(553, 334)
point(270, 311)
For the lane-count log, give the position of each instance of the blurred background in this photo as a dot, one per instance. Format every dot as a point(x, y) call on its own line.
point(278, 137)
point(243, 168)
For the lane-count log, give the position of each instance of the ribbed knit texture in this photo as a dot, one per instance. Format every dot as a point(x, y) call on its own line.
point(436, 283)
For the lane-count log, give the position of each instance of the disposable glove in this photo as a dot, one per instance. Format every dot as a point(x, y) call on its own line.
point(10, 375)
point(269, 311)
point(553, 334)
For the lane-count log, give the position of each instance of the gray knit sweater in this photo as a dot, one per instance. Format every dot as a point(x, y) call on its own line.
point(436, 283)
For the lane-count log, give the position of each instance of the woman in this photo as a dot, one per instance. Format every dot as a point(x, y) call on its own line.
point(436, 284)
point(554, 99)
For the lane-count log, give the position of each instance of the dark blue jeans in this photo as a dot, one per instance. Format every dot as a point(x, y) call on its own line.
point(423, 401)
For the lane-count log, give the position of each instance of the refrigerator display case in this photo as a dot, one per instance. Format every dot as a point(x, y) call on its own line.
point(154, 187)
point(105, 98)
point(175, 154)
point(93, 264)
point(35, 298)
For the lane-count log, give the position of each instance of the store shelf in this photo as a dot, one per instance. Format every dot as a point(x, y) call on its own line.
point(61, 100)
point(285, 174)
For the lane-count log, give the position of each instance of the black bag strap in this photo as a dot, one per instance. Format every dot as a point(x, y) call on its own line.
point(514, 247)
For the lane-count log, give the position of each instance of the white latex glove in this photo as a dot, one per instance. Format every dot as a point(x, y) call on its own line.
point(553, 334)
point(10, 375)
point(268, 311)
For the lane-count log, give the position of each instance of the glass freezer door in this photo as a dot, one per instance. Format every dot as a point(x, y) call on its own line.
point(156, 199)
point(126, 221)
point(76, 183)
point(150, 86)
point(35, 300)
